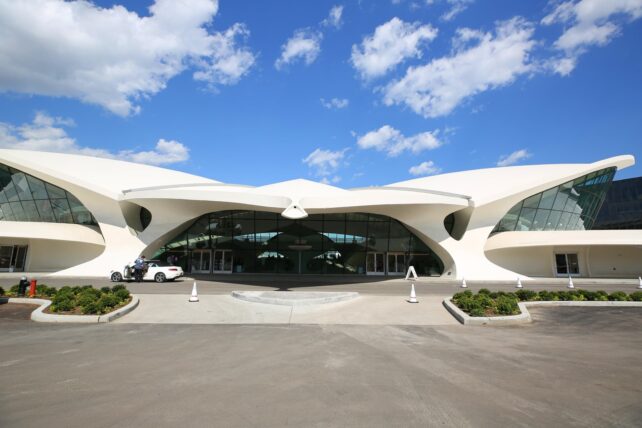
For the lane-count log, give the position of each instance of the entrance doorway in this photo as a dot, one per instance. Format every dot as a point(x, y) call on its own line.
point(222, 261)
point(567, 264)
point(375, 264)
point(201, 261)
point(13, 258)
point(396, 264)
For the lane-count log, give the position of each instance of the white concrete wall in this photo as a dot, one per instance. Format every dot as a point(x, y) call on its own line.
point(615, 261)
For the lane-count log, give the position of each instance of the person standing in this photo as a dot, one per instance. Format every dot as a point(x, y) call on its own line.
point(139, 267)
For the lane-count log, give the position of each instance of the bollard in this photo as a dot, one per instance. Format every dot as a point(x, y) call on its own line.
point(194, 297)
point(32, 288)
point(463, 283)
point(519, 283)
point(570, 282)
point(640, 284)
point(413, 295)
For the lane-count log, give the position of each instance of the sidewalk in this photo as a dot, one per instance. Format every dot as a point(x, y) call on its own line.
point(225, 309)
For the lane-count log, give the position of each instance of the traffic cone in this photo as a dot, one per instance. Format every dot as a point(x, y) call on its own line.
point(194, 297)
point(570, 282)
point(413, 296)
point(640, 279)
point(463, 283)
point(519, 283)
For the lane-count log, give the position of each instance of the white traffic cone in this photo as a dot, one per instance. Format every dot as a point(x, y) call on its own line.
point(640, 284)
point(570, 282)
point(519, 283)
point(413, 296)
point(194, 297)
point(463, 283)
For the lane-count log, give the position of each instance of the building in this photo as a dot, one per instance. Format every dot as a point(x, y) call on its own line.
point(622, 208)
point(83, 216)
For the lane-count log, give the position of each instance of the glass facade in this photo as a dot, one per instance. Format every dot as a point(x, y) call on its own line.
point(27, 198)
point(264, 242)
point(570, 206)
point(622, 207)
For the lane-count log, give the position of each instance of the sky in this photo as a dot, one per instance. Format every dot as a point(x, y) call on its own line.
point(353, 94)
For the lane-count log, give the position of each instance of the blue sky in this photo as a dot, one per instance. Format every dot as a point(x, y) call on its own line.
point(349, 93)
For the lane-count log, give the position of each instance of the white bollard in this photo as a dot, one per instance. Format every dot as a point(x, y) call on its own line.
point(640, 284)
point(194, 297)
point(519, 283)
point(413, 296)
point(463, 283)
point(570, 282)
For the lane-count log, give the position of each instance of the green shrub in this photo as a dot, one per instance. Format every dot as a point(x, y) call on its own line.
point(1, 291)
point(89, 307)
point(105, 290)
point(118, 287)
point(122, 294)
point(618, 296)
point(84, 299)
point(485, 291)
point(601, 296)
point(575, 296)
point(477, 312)
point(547, 296)
point(506, 305)
point(63, 302)
point(14, 290)
point(636, 296)
point(526, 295)
point(107, 302)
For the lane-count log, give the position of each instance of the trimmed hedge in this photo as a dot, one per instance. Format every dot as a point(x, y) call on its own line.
point(81, 299)
point(487, 303)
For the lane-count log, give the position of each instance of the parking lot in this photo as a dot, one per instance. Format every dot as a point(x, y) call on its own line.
point(572, 366)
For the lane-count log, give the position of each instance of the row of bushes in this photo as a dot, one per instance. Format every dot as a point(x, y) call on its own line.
point(487, 303)
point(84, 299)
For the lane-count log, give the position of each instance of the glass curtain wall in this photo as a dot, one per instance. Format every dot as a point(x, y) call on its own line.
point(27, 198)
point(570, 206)
point(264, 242)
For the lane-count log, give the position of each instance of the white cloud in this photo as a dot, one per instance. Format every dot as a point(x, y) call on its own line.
point(112, 56)
point(393, 142)
point(47, 133)
point(334, 17)
point(481, 61)
point(456, 7)
point(592, 23)
point(304, 45)
point(424, 168)
point(333, 180)
point(325, 162)
point(391, 44)
point(513, 158)
point(336, 103)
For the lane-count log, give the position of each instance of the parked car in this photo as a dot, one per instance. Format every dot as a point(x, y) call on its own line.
point(156, 271)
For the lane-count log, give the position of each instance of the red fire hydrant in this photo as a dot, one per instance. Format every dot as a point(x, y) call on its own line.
point(32, 288)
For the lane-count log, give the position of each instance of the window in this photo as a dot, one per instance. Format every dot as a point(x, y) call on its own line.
point(567, 264)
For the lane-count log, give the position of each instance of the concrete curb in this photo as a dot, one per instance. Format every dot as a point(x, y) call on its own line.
point(525, 316)
point(294, 298)
point(39, 316)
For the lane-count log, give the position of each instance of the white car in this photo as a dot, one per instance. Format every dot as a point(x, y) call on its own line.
point(155, 272)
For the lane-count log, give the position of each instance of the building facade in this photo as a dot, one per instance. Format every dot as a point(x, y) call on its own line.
point(75, 215)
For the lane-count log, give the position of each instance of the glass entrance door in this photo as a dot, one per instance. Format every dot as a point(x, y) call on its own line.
point(396, 264)
point(6, 251)
point(222, 261)
point(375, 264)
point(567, 264)
point(201, 261)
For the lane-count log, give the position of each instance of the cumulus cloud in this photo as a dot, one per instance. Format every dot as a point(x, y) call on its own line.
point(391, 44)
point(335, 103)
point(481, 61)
point(513, 158)
point(393, 142)
point(47, 133)
point(112, 56)
point(424, 168)
point(304, 45)
point(334, 17)
point(325, 162)
point(589, 23)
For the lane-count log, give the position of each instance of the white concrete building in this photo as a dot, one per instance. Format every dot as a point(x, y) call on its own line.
point(83, 216)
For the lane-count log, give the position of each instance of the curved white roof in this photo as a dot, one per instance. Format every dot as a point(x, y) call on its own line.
point(106, 176)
